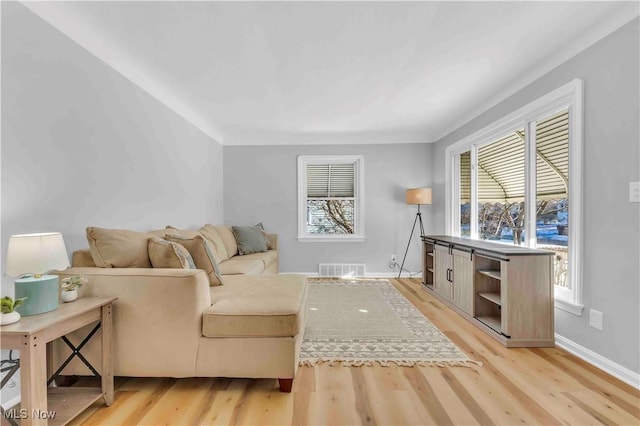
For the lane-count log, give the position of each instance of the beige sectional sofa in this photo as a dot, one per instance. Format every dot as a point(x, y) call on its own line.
point(173, 323)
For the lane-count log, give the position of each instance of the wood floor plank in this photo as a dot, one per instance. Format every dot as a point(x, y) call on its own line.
point(521, 395)
point(476, 410)
point(366, 398)
point(265, 405)
point(427, 396)
point(301, 403)
point(149, 402)
point(457, 409)
point(305, 380)
point(181, 403)
point(224, 405)
point(605, 410)
point(622, 395)
point(201, 409)
point(334, 401)
point(513, 386)
point(547, 392)
point(489, 393)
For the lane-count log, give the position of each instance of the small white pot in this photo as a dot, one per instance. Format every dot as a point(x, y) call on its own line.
point(9, 318)
point(69, 295)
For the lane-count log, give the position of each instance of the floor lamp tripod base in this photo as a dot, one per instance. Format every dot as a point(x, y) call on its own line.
point(418, 219)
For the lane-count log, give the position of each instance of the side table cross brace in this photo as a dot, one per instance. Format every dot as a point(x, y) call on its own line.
point(76, 353)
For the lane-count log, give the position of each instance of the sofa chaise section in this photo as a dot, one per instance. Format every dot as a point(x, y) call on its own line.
point(172, 323)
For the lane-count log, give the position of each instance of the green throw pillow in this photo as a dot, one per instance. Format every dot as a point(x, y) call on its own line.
point(249, 239)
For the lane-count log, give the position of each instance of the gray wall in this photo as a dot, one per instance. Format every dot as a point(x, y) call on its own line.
point(82, 145)
point(260, 185)
point(611, 254)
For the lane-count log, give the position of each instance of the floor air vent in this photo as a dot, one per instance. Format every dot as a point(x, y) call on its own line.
point(341, 270)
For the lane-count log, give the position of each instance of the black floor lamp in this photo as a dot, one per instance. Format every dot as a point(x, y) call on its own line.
point(417, 196)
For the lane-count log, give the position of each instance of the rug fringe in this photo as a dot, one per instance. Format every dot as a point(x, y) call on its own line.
point(389, 363)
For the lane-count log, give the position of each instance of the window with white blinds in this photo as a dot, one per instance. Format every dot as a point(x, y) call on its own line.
point(330, 198)
point(519, 181)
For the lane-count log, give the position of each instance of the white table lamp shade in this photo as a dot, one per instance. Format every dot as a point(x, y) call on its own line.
point(419, 196)
point(36, 254)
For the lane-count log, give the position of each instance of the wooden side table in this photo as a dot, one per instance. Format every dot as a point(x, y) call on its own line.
point(41, 405)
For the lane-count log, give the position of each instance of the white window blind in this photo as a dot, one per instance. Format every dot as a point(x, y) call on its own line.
point(330, 180)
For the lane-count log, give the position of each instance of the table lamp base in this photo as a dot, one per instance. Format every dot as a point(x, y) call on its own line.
point(41, 294)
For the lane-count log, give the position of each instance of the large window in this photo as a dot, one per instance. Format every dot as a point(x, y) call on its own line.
point(518, 182)
point(330, 198)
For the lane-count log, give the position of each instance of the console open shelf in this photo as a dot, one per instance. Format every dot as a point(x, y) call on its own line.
point(492, 297)
point(491, 273)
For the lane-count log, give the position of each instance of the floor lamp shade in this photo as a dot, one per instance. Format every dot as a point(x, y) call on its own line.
point(419, 196)
point(30, 257)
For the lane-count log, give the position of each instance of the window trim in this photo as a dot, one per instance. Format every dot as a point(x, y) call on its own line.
point(568, 96)
point(303, 161)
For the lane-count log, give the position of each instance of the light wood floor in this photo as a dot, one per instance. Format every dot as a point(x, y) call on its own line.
point(514, 386)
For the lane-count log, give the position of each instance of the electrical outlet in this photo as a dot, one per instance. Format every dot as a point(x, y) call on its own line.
point(392, 262)
point(595, 319)
point(393, 258)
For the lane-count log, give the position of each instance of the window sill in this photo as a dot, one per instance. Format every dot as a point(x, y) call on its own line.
point(331, 239)
point(568, 306)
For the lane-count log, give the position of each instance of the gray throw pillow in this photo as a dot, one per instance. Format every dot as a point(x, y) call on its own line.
point(249, 239)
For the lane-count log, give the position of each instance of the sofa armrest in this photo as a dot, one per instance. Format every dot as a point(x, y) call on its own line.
point(157, 316)
point(273, 240)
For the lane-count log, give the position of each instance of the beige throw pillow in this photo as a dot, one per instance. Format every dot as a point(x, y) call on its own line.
point(167, 254)
point(118, 248)
point(207, 231)
point(202, 254)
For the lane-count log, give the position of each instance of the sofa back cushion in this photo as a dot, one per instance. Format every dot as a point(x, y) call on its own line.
point(161, 233)
point(226, 234)
point(202, 253)
point(168, 254)
point(118, 248)
point(82, 258)
point(209, 232)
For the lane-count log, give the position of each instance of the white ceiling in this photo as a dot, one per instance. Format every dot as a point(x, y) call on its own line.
point(333, 72)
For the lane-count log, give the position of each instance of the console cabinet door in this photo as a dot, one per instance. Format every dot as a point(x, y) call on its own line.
point(463, 281)
point(443, 271)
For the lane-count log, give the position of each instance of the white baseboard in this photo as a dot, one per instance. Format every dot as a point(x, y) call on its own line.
point(616, 370)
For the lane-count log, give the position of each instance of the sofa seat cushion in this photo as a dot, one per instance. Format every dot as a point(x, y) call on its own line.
point(266, 257)
point(257, 306)
point(239, 266)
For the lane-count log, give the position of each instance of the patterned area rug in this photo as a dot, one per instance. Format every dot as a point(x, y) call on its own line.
point(362, 322)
